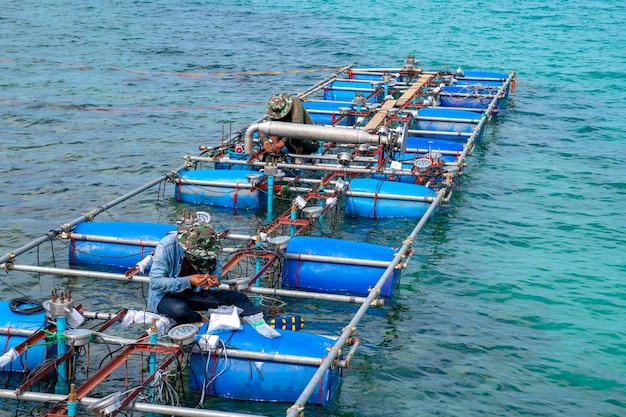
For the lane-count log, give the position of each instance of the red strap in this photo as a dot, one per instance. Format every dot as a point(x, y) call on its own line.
point(236, 195)
point(6, 343)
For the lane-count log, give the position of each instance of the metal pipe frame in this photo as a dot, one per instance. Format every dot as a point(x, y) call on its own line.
point(10, 257)
point(445, 119)
point(298, 406)
point(270, 357)
point(439, 132)
point(337, 260)
point(349, 330)
point(390, 196)
point(144, 280)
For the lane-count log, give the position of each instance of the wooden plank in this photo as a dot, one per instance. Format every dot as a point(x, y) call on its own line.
point(413, 89)
point(408, 95)
point(379, 117)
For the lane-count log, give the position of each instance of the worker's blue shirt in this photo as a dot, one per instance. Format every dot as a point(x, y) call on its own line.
point(166, 266)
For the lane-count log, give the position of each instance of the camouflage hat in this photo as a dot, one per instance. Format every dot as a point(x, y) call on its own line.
point(279, 106)
point(201, 245)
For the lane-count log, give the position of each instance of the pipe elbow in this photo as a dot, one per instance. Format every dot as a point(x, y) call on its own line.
point(248, 142)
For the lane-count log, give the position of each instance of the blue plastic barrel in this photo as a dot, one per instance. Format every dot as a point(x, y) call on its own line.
point(346, 91)
point(228, 194)
point(328, 112)
point(120, 255)
point(258, 380)
point(454, 127)
point(337, 278)
point(35, 354)
point(377, 208)
point(420, 142)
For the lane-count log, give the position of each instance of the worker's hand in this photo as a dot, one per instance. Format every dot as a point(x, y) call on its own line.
point(131, 272)
point(273, 147)
point(205, 281)
point(278, 146)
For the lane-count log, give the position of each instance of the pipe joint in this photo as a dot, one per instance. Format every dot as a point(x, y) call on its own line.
point(296, 409)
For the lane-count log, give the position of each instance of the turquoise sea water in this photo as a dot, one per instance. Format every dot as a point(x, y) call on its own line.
point(514, 304)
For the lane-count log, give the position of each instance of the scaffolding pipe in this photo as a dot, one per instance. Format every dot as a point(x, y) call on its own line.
point(110, 239)
point(336, 260)
point(137, 242)
point(135, 406)
point(144, 280)
point(349, 330)
point(485, 118)
point(16, 331)
point(445, 119)
point(10, 257)
point(313, 295)
point(325, 82)
point(309, 132)
point(239, 185)
point(380, 196)
point(273, 357)
point(482, 79)
point(439, 132)
point(337, 168)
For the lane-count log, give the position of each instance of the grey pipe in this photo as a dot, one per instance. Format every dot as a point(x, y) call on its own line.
point(144, 279)
point(10, 257)
point(334, 352)
point(134, 406)
point(337, 260)
point(309, 132)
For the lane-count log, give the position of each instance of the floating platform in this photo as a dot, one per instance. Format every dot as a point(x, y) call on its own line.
point(394, 142)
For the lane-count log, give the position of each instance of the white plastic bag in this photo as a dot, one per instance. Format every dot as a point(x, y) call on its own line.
point(224, 318)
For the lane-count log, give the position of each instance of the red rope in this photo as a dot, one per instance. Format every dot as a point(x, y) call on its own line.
point(6, 343)
point(236, 195)
point(215, 359)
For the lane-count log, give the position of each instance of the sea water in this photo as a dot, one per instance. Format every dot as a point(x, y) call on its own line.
point(514, 303)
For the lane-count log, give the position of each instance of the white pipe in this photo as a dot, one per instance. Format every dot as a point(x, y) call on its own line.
point(309, 132)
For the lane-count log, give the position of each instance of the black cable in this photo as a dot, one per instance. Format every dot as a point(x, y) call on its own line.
point(17, 305)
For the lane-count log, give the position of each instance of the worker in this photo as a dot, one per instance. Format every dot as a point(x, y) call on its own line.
point(185, 274)
point(284, 107)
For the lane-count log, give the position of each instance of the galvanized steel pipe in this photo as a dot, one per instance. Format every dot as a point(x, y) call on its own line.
point(334, 352)
point(134, 406)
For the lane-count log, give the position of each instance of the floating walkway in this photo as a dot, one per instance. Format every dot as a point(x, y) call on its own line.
point(393, 144)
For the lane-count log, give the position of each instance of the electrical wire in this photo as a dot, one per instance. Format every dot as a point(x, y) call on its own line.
point(26, 305)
